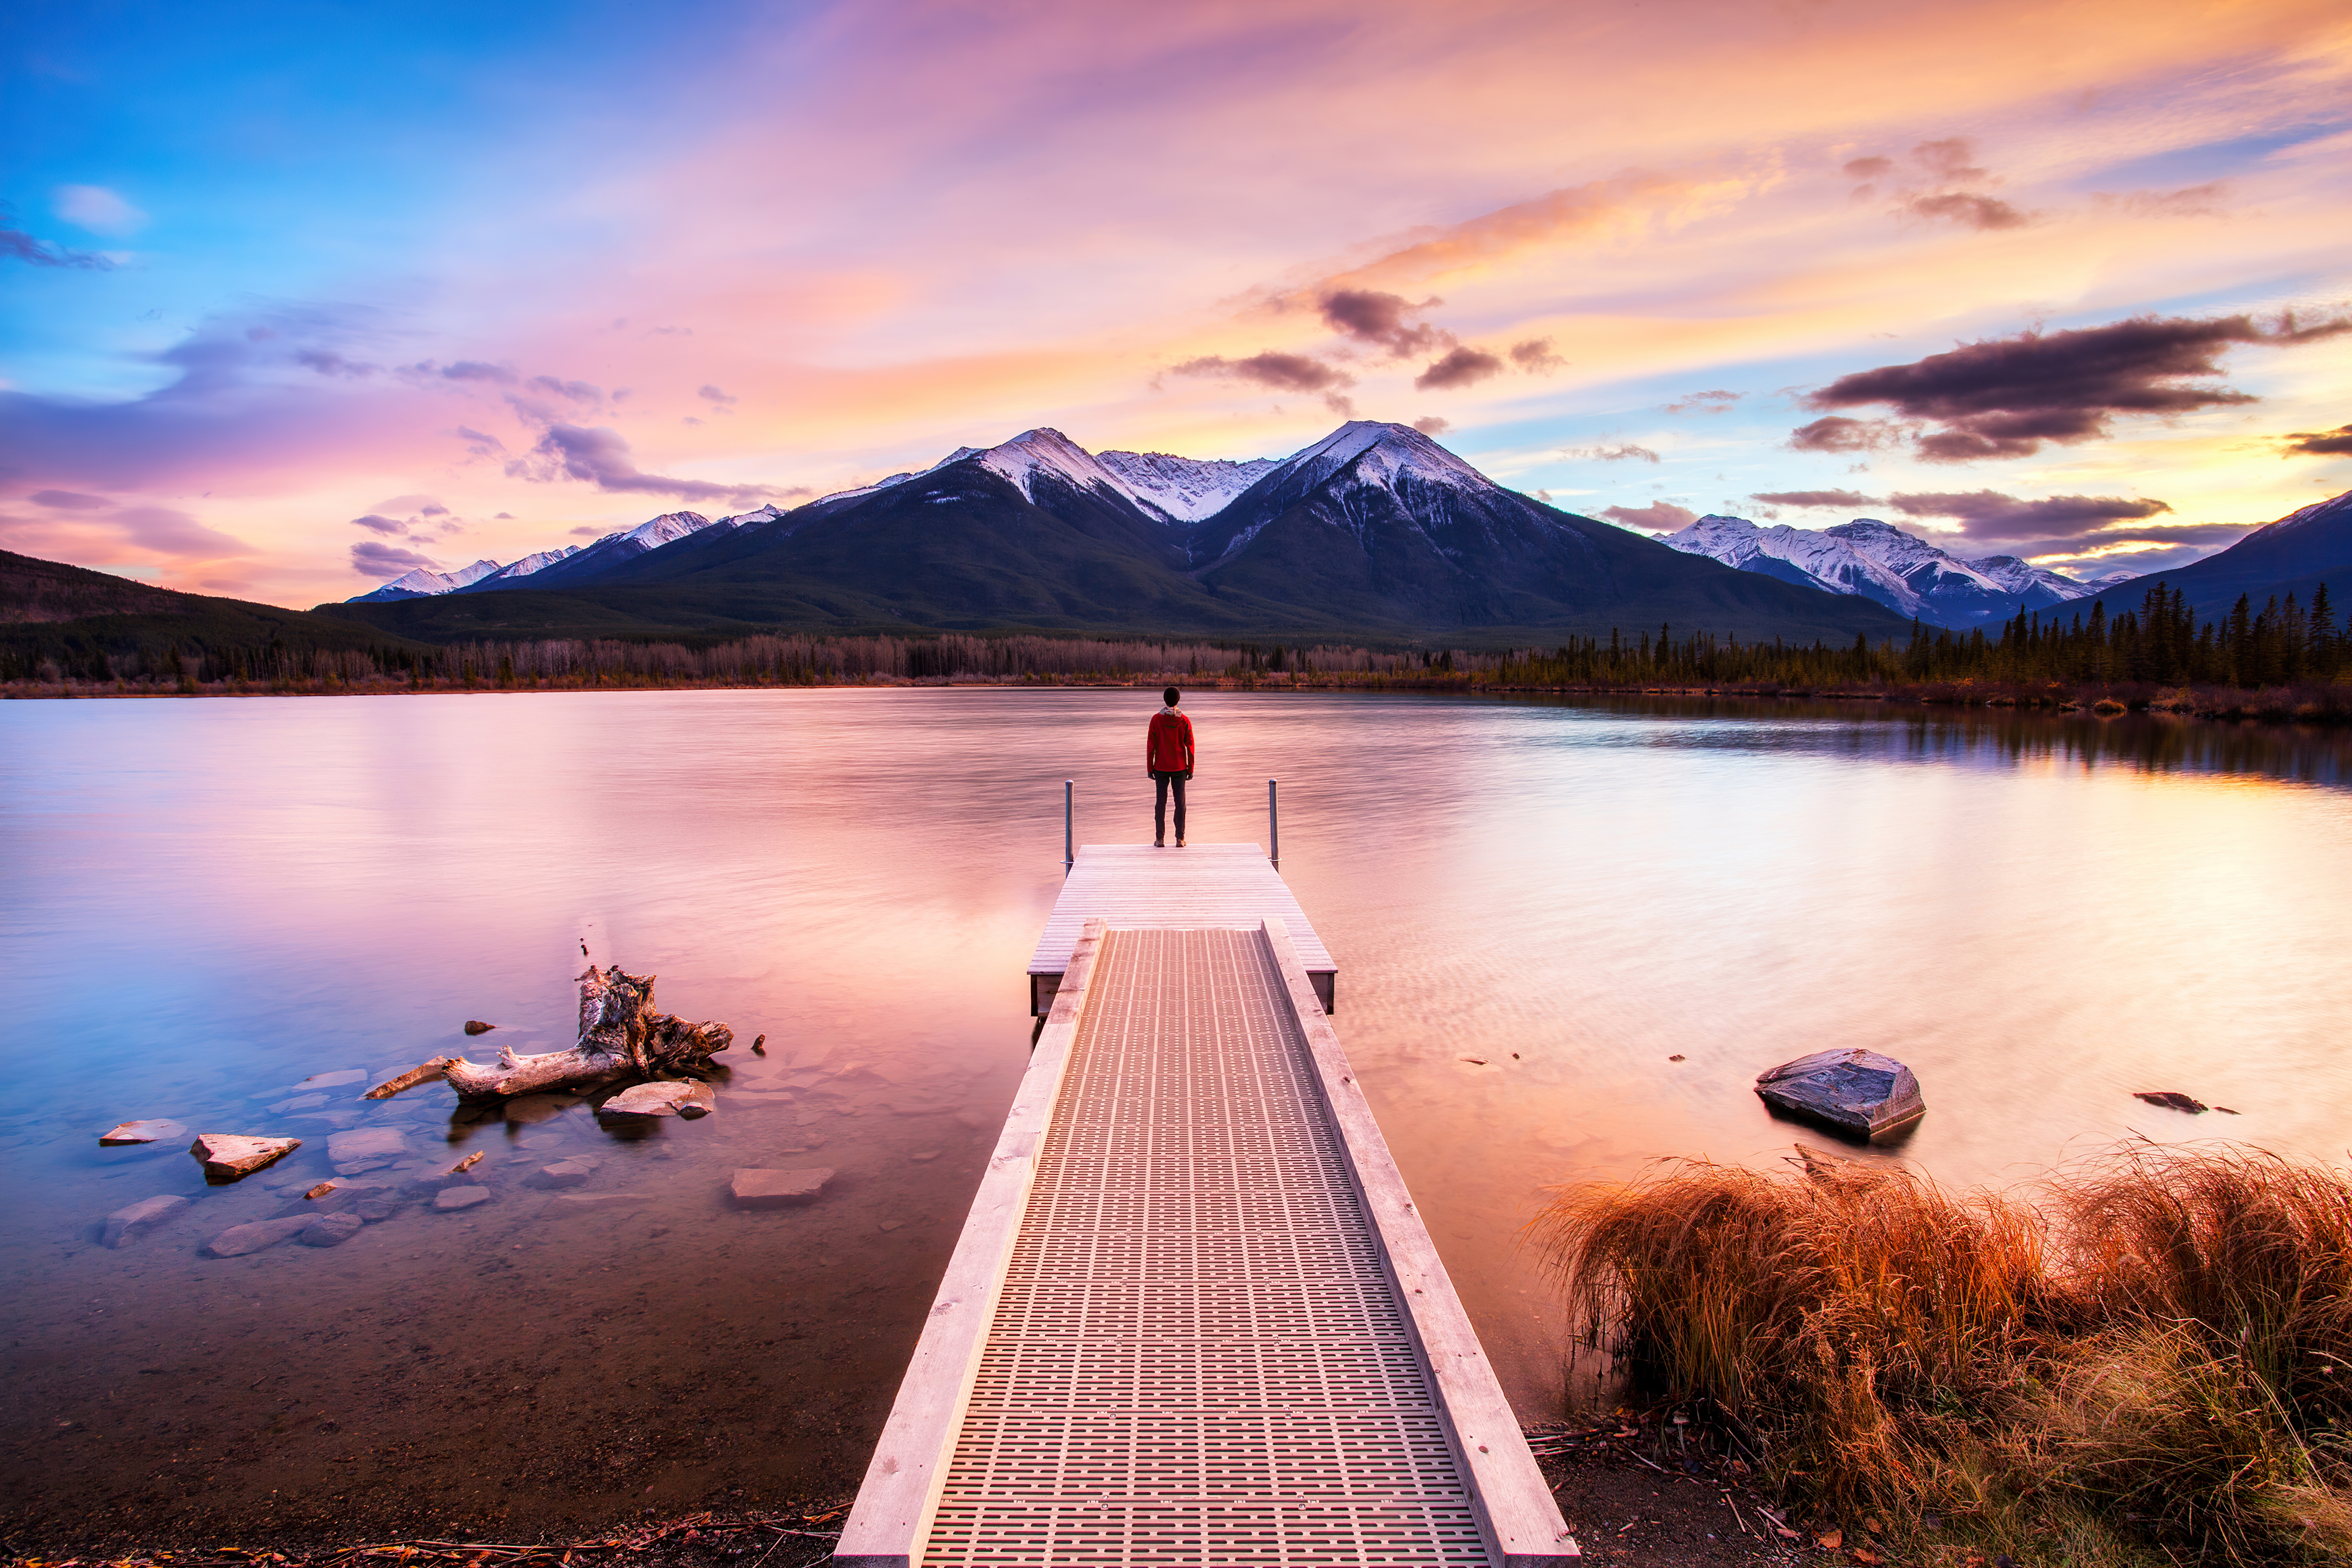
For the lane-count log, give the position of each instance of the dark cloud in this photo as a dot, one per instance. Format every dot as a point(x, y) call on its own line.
point(2189, 201)
point(577, 391)
point(376, 524)
point(1535, 356)
point(1949, 160)
point(602, 457)
point(480, 443)
point(1280, 371)
point(326, 362)
point(2006, 396)
point(1989, 514)
point(1658, 517)
point(1370, 316)
point(1838, 434)
point(2335, 443)
point(434, 508)
point(1968, 209)
point(586, 532)
point(713, 395)
point(1625, 453)
point(16, 245)
point(369, 559)
point(474, 370)
point(68, 500)
point(169, 533)
point(1463, 366)
point(1870, 168)
point(1840, 499)
point(1718, 401)
point(1430, 425)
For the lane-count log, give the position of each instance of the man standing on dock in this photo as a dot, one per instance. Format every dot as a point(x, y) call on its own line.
point(1168, 757)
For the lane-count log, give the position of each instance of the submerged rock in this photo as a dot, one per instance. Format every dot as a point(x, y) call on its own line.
point(129, 1224)
point(571, 1173)
point(330, 1080)
point(364, 1149)
point(764, 1189)
point(2173, 1100)
point(331, 1230)
point(228, 1156)
point(457, 1198)
point(239, 1239)
point(1854, 1091)
point(154, 1131)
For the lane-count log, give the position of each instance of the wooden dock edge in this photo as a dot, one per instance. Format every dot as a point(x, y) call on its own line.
point(1523, 1523)
point(891, 1519)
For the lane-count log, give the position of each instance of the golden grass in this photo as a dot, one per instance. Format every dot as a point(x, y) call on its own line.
point(2154, 1358)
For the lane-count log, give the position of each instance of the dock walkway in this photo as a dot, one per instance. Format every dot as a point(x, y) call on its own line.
point(1193, 1316)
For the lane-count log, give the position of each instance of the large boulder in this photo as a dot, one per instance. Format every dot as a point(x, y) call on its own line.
point(230, 1156)
point(1859, 1093)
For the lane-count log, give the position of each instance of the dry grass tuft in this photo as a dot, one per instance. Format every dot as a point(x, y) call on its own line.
point(2157, 1359)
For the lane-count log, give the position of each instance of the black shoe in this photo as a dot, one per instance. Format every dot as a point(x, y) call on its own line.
point(1161, 843)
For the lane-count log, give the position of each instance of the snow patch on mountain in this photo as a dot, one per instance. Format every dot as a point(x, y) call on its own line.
point(1186, 489)
point(529, 565)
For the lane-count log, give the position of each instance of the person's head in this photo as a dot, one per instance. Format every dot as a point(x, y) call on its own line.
point(1170, 696)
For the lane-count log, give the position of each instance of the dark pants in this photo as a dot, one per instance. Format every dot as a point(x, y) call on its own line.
point(1162, 785)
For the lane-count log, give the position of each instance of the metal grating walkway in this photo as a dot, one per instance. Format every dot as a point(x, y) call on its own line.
point(1197, 1356)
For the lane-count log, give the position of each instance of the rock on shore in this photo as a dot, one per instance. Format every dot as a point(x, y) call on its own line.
point(1854, 1091)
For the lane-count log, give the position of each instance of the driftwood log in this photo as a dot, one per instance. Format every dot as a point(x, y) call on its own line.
point(620, 1033)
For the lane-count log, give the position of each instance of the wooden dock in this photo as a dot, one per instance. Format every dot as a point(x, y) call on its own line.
point(1143, 888)
point(1194, 1317)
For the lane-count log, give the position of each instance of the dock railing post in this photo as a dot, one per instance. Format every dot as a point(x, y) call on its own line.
point(1069, 841)
point(1272, 828)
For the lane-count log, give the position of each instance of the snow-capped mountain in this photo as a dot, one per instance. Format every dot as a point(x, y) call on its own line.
point(1880, 561)
point(424, 583)
point(1185, 488)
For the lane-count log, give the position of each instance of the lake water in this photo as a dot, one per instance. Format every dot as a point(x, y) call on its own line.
point(208, 901)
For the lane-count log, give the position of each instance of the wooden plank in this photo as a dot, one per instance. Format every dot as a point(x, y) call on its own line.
point(901, 1489)
point(1200, 887)
point(1523, 1523)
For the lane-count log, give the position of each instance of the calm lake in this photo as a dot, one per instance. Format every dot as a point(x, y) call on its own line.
point(208, 901)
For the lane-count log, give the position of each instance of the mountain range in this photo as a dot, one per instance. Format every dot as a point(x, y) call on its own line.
point(2293, 555)
point(1374, 531)
point(1881, 563)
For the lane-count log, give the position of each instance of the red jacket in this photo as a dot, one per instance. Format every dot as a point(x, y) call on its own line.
point(1168, 748)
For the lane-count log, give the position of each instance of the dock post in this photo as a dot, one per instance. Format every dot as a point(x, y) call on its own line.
point(1069, 841)
point(1272, 828)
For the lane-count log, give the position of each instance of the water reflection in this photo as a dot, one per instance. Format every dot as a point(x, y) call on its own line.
point(211, 902)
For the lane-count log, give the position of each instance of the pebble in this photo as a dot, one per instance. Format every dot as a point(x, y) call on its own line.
point(156, 1130)
point(129, 1224)
point(230, 1155)
point(535, 1108)
point(770, 1189)
point(457, 1198)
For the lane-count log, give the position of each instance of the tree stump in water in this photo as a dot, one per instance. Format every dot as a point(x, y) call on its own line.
point(620, 1033)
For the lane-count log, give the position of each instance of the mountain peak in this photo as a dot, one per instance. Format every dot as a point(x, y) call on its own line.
point(1382, 453)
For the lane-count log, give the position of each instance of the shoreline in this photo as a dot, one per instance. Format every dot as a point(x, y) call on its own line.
point(2313, 704)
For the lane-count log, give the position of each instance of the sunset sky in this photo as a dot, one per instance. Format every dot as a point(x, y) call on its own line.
point(299, 296)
